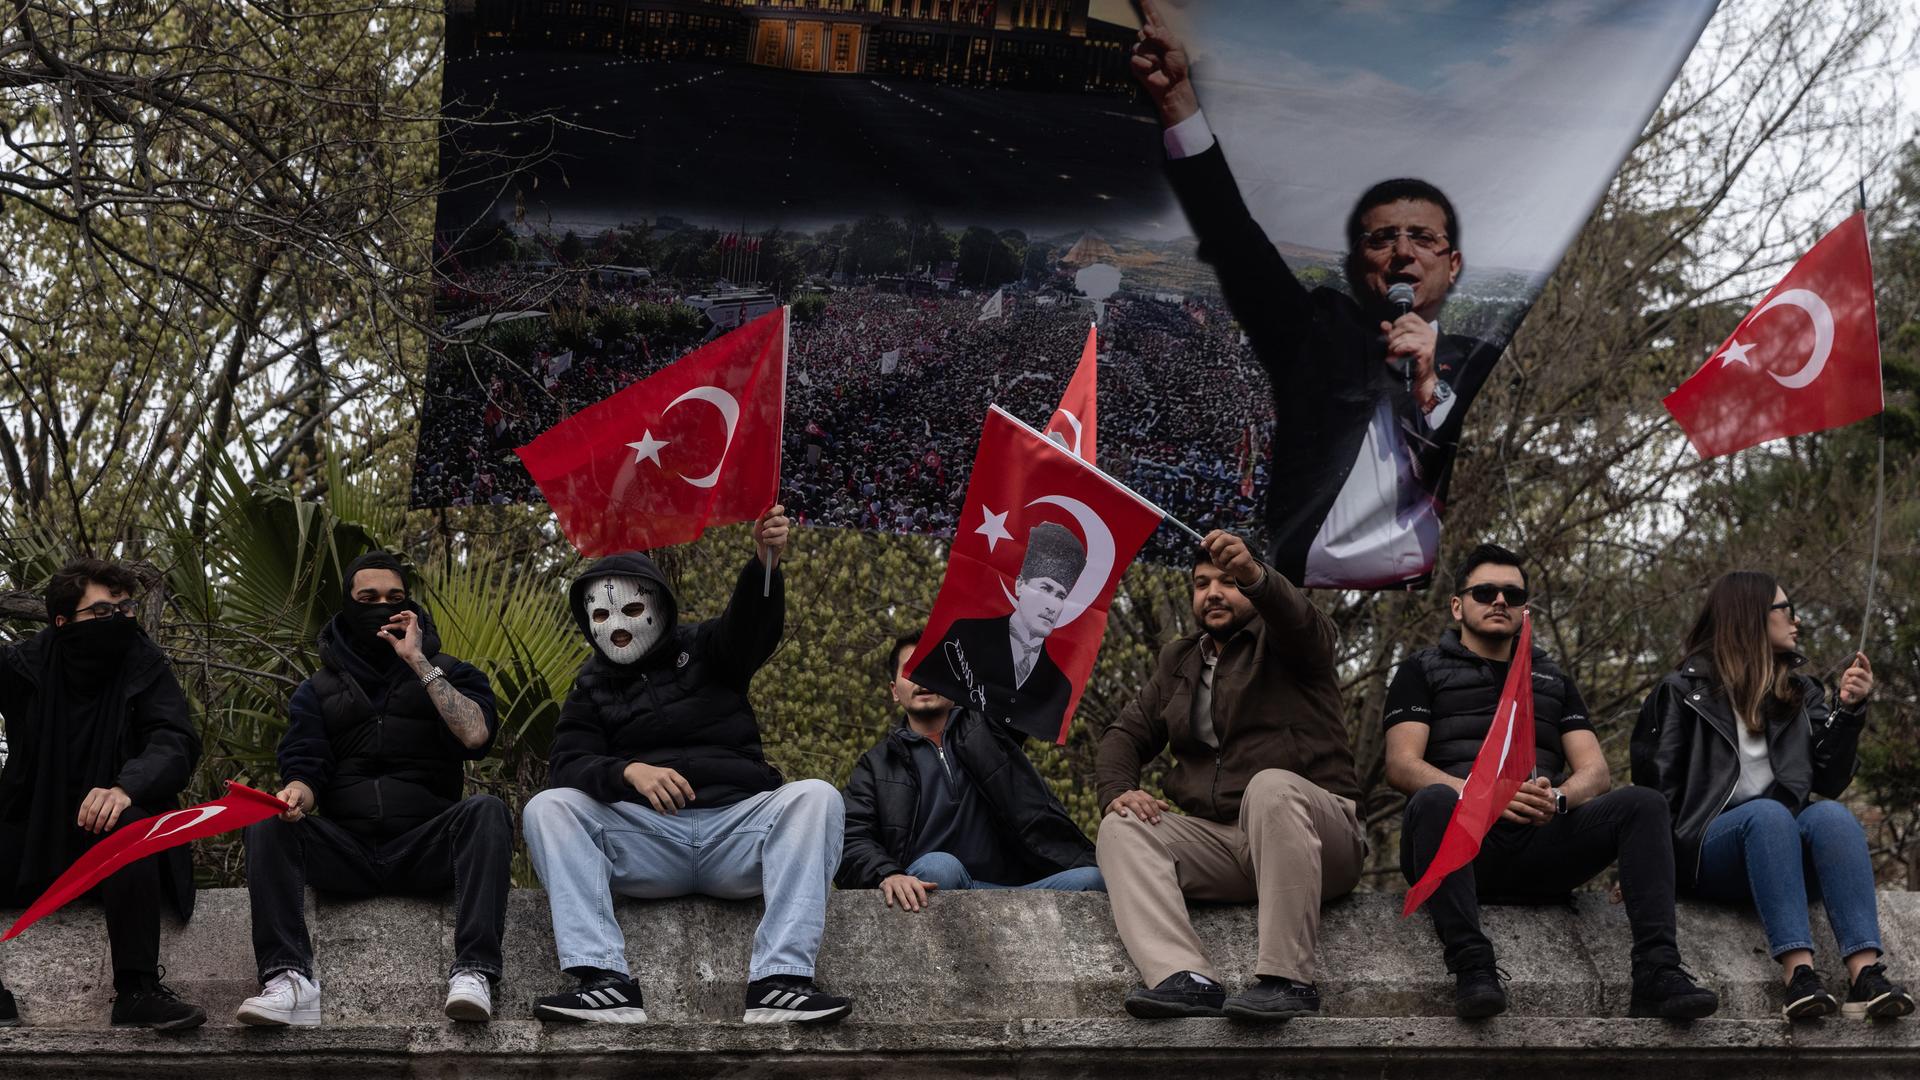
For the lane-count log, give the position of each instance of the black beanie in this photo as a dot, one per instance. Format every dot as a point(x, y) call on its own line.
point(375, 560)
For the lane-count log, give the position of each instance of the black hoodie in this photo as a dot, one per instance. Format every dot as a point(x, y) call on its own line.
point(370, 742)
point(682, 706)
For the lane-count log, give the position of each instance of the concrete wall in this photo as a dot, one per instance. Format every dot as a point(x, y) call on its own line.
point(992, 983)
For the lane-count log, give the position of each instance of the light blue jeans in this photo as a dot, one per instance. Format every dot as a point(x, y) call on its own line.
point(782, 844)
point(949, 873)
point(1760, 851)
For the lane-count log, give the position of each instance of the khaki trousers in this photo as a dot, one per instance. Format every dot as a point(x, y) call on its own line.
point(1295, 845)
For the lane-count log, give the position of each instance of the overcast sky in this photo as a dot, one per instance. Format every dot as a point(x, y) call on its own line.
point(1520, 111)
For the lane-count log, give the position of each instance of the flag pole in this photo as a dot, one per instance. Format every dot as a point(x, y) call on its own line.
point(1108, 477)
point(1879, 509)
point(780, 441)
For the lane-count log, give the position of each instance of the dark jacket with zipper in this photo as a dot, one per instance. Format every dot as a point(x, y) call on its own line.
point(883, 800)
point(371, 743)
point(683, 706)
point(1686, 746)
point(1276, 705)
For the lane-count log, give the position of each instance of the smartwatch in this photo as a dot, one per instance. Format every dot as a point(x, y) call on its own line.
point(1559, 801)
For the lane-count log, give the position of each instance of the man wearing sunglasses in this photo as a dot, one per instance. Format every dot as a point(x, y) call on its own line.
point(1369, 394)
point(100, 737)
point(1562, 828)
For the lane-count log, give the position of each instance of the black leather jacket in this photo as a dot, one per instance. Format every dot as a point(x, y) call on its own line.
point(1687, 747)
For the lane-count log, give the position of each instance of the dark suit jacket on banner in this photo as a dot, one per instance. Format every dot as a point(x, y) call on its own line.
point(974, 666)
point(1326, 361)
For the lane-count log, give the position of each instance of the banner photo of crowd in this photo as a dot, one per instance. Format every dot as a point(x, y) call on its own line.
point(1301, 274)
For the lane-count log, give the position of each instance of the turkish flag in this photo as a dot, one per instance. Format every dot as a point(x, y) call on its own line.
point(1504, 763)
point(695, 444)
point(1806, 359)
point(1042, 541)
point(1071, 424)
point(239, 808)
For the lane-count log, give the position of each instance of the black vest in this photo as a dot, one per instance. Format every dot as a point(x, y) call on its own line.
point(395, 767)
point(1465, 688)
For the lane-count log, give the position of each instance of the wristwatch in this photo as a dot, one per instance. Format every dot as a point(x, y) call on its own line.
point(1559, 801)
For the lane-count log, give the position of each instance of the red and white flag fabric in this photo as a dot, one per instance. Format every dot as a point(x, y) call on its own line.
point(1042, 541)
point(1806, 359)
point(1504, 763)
point(1072, 423)
point(239, 808)
point(695, 444)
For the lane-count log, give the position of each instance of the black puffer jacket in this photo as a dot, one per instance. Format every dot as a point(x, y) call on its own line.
point(1465, 690)
point(683, 706)
point(1686, 746)
point(883, 796)
point(370, 742)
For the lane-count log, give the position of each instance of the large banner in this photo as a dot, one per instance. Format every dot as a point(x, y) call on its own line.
point(947, 193)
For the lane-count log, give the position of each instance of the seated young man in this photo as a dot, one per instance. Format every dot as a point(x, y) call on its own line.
point(1561, 828)
point(660, 789)
point(377, 745)
point(948, 800)
point(99, 737)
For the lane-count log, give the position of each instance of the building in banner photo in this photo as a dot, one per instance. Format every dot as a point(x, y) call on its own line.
point(1022, 44)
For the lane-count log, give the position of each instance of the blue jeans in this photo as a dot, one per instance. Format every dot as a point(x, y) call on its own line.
point(1760, 850)
point(783, 844)
point(949, 873)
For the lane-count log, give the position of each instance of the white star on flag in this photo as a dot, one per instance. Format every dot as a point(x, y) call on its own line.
point(648, 448)
point(994, 528)
point(1736, 353)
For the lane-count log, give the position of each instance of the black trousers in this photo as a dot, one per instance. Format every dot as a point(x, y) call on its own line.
point(131, 896)
point(1631, 825)
point(468, 848)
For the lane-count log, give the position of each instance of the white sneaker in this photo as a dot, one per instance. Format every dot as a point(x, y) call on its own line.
point(469, 998)
point(290, 999)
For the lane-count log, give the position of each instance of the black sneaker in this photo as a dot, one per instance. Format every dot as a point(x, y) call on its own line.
point(606, 1000)
point(9, 1012)
point(1807, 997)
point(1178, 995)
point(1873, 996)
point(1479, 992)
point(157, 1007)
point(1670, 993)
point(1272, 998)
point(790, 999)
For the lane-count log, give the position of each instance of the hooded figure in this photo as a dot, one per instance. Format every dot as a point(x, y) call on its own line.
point(660, 788)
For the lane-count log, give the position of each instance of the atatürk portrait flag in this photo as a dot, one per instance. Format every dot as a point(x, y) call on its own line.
point(1806, 359)
point(1042, 541)
point(695, 444)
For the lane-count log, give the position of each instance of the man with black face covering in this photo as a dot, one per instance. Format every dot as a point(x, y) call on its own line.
point(376, 743)
point(660, 788)
point(100, 737)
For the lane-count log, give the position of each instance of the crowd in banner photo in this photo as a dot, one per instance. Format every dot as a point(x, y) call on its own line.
point(888, 452)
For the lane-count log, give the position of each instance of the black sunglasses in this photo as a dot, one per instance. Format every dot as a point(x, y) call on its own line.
point(105, 609)
point(1784, 605)
point(1484, 594)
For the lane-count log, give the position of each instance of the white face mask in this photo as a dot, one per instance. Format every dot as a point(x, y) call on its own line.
point(625, 617)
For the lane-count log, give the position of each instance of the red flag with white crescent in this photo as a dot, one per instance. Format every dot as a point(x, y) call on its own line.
point(1072, 422)
point(695, 444)
point(1806, 359)
point(239, 808)
point(1042, 541)
point(1504, 763)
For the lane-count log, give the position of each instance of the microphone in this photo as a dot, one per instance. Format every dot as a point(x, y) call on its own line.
point(1400, 295)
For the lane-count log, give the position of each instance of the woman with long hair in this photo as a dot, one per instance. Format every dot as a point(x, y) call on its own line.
point(1739, 741)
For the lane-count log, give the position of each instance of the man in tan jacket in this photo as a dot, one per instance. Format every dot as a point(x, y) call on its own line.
point(1250, 707)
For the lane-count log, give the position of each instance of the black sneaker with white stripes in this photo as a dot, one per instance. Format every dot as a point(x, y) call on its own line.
point(605, 1000)
point(789, 999)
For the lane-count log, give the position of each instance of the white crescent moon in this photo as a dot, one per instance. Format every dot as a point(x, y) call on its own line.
point(1100, 553)
point(162, 827)
point(1822, 317)
point(729, 410)
point(1075, 422)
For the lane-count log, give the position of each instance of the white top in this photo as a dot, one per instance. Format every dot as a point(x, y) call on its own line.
point(1756, 769)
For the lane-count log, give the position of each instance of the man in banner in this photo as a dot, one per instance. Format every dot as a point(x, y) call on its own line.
point(372, 764)
point(1250, 706)
point(948, 800)
point(1559, 830)
point(100, 736)
point(660, 788)
point(1369, 396)
point(1001, 662)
